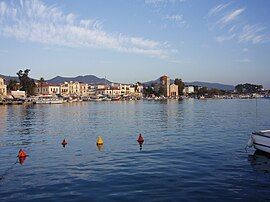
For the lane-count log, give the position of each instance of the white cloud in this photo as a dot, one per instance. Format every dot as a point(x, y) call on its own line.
point(218, 9)
point(156, 2)
point(252, 33)
point(229, 17)
point(235, 27)
point(35, 21)
point(174, 17)
point(222, 39)
point(178, 19)
point(182, 62)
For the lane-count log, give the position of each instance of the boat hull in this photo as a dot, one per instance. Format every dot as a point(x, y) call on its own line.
point(261, 141)
point(49, 102)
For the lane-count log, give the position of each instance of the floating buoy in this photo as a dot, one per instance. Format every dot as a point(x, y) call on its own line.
point(22, 154)
point(99, 140)
point(64, 142)
point(140, 139)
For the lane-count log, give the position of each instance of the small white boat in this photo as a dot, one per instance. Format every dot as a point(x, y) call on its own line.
point(106, 99)
point(260, 140)
point(48, 100)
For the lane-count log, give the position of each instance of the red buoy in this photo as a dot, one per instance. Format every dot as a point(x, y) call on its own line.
point(140, 139)
point(22, 154)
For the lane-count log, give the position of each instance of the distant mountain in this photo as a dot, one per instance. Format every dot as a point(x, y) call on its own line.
point(199, 83)
point(90, 79)
point(211, 85)
point(7, 78)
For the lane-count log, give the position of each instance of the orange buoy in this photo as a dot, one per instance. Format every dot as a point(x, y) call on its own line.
point(22, 154)
point(64, 142)
point(140, 139)
point(99, 141)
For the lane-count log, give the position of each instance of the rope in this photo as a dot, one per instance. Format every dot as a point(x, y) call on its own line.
point(7, 170)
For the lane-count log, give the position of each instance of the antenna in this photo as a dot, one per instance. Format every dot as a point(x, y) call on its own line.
point(256, 113)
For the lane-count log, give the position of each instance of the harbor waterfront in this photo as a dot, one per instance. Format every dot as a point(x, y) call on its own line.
point(193, 150)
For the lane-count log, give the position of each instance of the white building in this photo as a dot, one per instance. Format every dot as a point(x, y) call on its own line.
point(19, 94)
point(74, 89)
point(188, 90)
point(64, 89)
point(127, 89)
point(3, 88)
point(84, 89)
point(173, 90)
point(48, 89)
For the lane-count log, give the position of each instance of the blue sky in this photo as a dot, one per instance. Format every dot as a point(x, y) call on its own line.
point(138, 40)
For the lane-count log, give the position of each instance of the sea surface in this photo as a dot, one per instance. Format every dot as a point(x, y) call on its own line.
point(194, 150)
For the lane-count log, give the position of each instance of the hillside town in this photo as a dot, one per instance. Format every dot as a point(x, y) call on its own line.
point(42, 92)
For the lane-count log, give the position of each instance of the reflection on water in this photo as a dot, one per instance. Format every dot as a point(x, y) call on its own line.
point(194, 150)
point(260, 161)
point(22, 159)
point(100, 147)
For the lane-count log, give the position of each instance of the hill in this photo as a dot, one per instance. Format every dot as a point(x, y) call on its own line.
point(211, 85)
point(90, 79)
point(7, 78)
point(200, 83)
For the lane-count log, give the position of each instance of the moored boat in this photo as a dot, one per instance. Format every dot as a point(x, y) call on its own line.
point(116, 98)
point(48, 100)
point(260, 140)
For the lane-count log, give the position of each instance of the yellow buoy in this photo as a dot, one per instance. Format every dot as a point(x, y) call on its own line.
point(99, 140)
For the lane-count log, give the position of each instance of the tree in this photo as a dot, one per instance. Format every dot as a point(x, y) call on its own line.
point(202, 91)
point(41, 81)
point(147, 91)
point(180, 85)
point(12, 85)
point(248, 88)
point(26, 84)
point(214, 91)
point(162, 91)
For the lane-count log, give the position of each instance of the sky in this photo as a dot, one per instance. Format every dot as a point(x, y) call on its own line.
point(138, 40)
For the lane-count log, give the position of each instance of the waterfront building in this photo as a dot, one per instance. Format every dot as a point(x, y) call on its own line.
point(188, 90)
point(64, 89)
point(74, 89)
point(48, 89)
point(165, 82)
point(101, 86)
point(173, 90)
point(127, 89)
point(18, 94)
point(170, 90)
point(113, 91)
point(84, 89)
point(138, 88)
point(91, 89)
point(110, 91)
point(3, 88)
point(101, 91)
